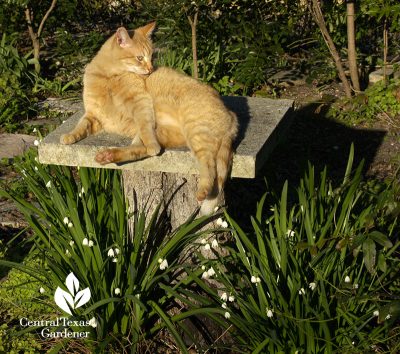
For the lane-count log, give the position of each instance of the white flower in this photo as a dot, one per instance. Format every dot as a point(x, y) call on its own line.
point(203, 241)
point(224, 296)
point(164, 264)
point(347, 279)
point(93, 322)
point(42, 291)
point(270, 312)
point(36, 143)
point(205, 275)
point(219, 221)
point(66, 220)
point(231, 298)
point(214, 243)
point(35, 168)
point(203, 267)
point(70, 224)
point(224, 305)
point(36, 159)
point(227, 315)
point(48, 184)
point(116, 250)
point(67, 253)
point(115, 260)
point(211, 272)
point(290, 233)
point(91, 243)
point(224, 225)
point(376, 313)
point(34, 130)
point(110, 253)
point(388, 316)
point(85, 241)
point(206, 247)
point(255, 279)
point(312, 286)
point(117, 291)
point(355, 286)
point(302, 291)
point(71, 243)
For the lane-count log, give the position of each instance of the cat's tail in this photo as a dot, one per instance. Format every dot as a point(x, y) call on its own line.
point(223, 164)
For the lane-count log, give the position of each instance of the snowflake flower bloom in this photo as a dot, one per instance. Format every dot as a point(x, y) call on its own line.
point(36, 143)
point(290, 233)
point(224, 305)
point(42, 291)
point(48, 184)
point(207, 247)
point(388, 316)
point(224, 224)
point(115, 260)
point(211, 272)
point(71, 243)
point(163, 264)
point(231, 298)
point(117, 291)
point(214, 243)
point(116, 250)
point(85, 242)
point(255, 279)
point(376, 313)
point(66, 220)
point(227, 315)
point(110, 253)
point(302, 291)
point(270, 312)
point(219, 221)
point(312, 286)
point(203, 241)
point(70, 224)
point(34, 130)
point(224, 296)
point(205, 275)
point(347, 279)
point(90, 243)
point(93, 322)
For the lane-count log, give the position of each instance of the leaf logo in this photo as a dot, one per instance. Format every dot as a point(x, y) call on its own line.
point(74, 299)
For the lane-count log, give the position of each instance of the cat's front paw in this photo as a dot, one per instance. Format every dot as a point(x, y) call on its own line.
point(105, 156)
point(202, 194)
point(153, 149)
point(67, 139)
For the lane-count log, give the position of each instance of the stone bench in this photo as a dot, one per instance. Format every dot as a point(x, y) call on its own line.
point(262, 122)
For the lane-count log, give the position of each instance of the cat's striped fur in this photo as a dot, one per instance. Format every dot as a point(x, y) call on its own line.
point(162, 108)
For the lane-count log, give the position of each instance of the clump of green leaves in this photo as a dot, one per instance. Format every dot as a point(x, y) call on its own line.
point(318, 274)
point(378, 101)
point(80, 224)
point(15, 81)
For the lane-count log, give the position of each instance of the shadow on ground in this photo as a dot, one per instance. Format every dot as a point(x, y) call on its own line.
point(311, 137)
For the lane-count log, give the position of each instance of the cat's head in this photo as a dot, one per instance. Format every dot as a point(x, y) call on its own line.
point(134, 53)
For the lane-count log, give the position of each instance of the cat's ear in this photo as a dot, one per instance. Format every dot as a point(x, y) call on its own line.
point(123, 38)
point(147, 30)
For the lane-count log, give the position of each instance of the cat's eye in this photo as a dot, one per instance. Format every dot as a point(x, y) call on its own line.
point(140, 58)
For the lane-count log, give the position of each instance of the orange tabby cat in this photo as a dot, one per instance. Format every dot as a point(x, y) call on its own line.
point(162, 108)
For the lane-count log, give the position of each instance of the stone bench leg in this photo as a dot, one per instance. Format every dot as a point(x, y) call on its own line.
point(145, 189)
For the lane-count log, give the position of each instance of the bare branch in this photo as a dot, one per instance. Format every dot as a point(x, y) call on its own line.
point(47, 14)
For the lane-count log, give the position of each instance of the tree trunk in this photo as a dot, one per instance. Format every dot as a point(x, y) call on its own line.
point(385, 50)
point(319, 19)
point(193, 24)
point(145, 190)
point(351, 45)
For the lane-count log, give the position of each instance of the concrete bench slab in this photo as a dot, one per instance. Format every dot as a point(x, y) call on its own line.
point(173, 175)
point(262, 122)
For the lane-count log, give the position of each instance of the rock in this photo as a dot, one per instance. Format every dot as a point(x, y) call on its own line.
point(12, 145)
